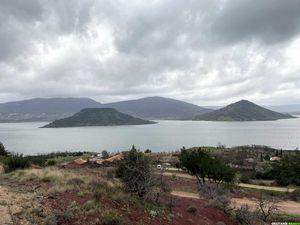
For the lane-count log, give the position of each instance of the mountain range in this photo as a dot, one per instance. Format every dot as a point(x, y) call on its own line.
point(242, 111)
point(97, 117)
point(43, 109)
point(158, 108)
point(49, 109)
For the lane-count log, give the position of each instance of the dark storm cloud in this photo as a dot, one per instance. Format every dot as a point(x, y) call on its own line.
point(270, 21)
point(206, 52)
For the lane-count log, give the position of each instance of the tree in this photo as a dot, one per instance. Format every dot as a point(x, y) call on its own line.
point(203, 166)
point(105, 154)
point(3, 151)
point(267, 207)
point(217, 196)
point(135, 173)
point(287, 171)
point(245, 216)
point(148, 151)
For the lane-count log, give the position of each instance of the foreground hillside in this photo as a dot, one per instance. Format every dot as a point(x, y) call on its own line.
point(129, 188)
point(242, 111)
point(97, 117)
point(87, 196)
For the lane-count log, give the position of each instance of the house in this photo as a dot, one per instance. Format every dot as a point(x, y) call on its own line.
point(275, 158)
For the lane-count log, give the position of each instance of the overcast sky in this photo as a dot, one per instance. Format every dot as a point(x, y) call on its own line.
point(208, 52)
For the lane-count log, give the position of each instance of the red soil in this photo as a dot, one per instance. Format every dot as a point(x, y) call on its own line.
point(135, 214)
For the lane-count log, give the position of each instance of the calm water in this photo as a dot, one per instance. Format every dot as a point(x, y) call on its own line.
point(27, 138)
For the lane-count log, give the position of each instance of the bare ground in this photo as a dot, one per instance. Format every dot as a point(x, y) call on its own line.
point(286, 207)
point(254, 186)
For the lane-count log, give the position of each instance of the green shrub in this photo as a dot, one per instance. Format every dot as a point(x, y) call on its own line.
point(89, 206)
point(111, 217)
point(48, 179)
point(51, 220)
point(16, 161)
point(105, 154)
point(296, 195)
point(121, 197)
point(148, 151)
point(98, 194)
point(51, 162)
point(245, 179)
point(110, 174)
point(135, 173)
point(75, 182)
point(245, 216)
point(3, 151)
point(192, 209)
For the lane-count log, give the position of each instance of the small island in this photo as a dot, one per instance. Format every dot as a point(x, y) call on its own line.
point(242, 111)
point(97, 117)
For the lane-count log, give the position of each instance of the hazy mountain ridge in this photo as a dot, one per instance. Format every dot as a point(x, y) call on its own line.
point(97, 117)
point(43, 109)
point(49, 109)
point(158, 108)
point(242, 111)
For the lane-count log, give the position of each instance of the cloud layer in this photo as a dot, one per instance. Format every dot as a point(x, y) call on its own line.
point(205, 52)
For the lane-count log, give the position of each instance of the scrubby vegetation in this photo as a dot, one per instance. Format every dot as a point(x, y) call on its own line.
point(202, 165)
point(259, 162)
point(13, 161)
point(3, 151)
point(287, 171)
point(136, 173)
point(135, 187)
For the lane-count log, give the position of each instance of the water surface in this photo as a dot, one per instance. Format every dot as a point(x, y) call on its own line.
point(28, 138)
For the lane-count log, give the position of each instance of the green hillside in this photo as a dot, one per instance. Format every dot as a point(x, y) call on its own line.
point(97, 117)
point(242, 111)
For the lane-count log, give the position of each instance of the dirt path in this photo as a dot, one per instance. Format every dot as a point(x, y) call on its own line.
point(254, 186)
point(286, 207)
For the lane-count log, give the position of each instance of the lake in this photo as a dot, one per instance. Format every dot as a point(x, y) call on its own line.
point(28, 138)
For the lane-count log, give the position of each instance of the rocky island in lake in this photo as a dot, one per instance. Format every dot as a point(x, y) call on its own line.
point(242, 111)
point(97, 117)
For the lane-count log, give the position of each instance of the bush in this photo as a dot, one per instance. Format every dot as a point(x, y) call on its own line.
point(110, 174)
point(75, 183)
point(16, 161)
point(148, 151)
point(121, 197)
point(192, 209)
point(245, 217)
point(135, 173)
point(51, 162)
point(51, 220)
point(203, 165)
point(245, 179)
point(111, 217)
point(288, 170)
point(105, 154)
point(3, 151)
point(295, 195)
point(98, 194)
point(218, 196)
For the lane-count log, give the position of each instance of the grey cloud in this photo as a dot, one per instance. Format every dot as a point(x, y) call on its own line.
point(206, 52)
point(270, 21)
